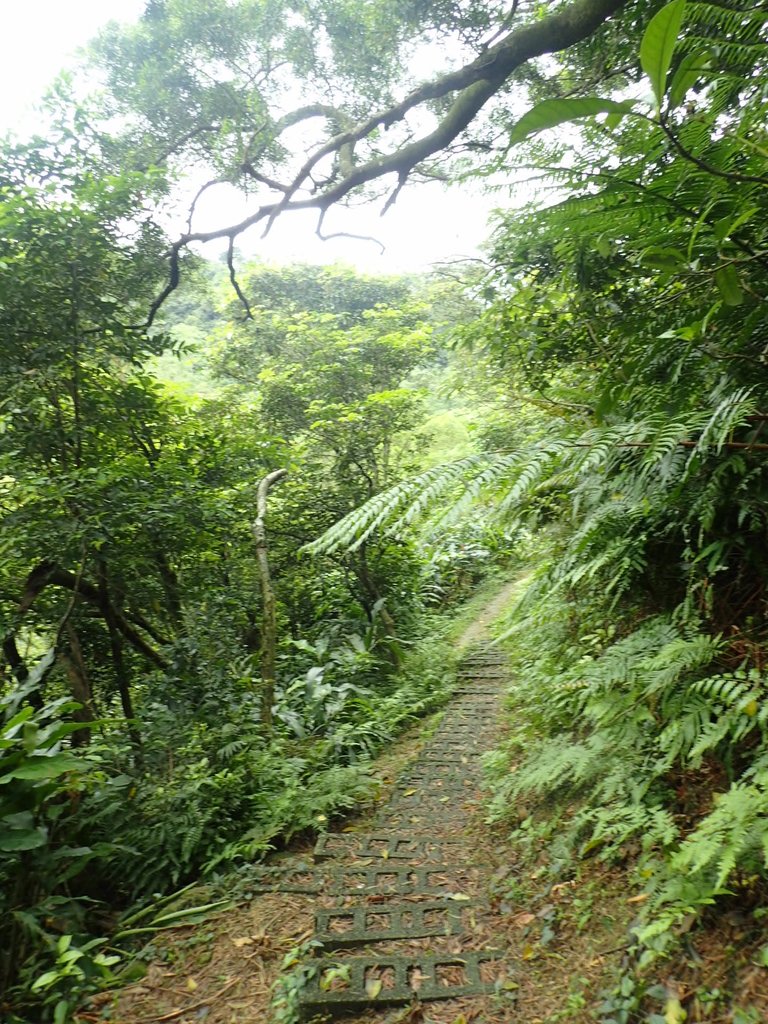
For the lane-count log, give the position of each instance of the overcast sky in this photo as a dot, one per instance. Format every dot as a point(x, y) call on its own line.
point(429, 223)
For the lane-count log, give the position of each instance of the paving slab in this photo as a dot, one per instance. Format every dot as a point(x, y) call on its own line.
point(349, 927)
point(413, 851)
point(365, 880)
point(384, 845)
point(391, 980)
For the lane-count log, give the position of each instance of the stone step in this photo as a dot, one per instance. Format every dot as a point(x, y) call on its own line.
point(356, 983)
point(348, 927)
point(384, 845)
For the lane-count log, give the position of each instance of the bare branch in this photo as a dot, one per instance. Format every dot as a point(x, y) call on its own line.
point(201, 192)
point(344, 234)
point(473, 85)
point(233, 279)
point(263, 179)
point(401, 180)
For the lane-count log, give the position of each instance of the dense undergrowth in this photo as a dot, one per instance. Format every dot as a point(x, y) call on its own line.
point(615, 397)
point(638, 738)
point(89, 834)
point(626, 311)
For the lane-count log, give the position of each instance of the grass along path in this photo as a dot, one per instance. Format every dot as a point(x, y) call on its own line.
point(555, 944)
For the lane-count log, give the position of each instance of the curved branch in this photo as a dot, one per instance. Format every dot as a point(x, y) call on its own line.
point(474, 85)
point(345, 234)
point(49, 574)
point(704, 165)
point(233, 279)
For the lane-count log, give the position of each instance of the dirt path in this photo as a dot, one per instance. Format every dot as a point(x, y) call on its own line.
point(478, 628)
point(387, 919)
point(409, 923)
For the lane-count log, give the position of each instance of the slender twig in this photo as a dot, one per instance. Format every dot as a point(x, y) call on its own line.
point(233, 279)
point(344, 234)
point(202, 190)
point(188, 1009)
point(703, 164)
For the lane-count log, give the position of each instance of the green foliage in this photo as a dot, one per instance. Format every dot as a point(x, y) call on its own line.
point(41, 786)
point(551, 113)
point(136, 748)
point(621, 338)
point(624, 732)
point(632, 305)
point(298, 968)
point(658, 45)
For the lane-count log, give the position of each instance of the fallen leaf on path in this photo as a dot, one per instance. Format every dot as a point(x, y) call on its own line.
point(674, 1012)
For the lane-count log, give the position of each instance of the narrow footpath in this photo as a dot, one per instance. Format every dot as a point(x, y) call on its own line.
point(389, 921)
point(406, 919)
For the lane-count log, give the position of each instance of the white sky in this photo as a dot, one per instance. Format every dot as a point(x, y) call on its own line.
point(428, 223)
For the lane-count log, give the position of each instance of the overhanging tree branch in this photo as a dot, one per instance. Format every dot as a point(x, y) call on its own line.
point(474, 85)
point(49, 574)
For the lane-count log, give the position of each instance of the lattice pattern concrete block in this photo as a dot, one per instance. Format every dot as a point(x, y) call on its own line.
point(389, 846)
point(347, 927)
point(389, 981)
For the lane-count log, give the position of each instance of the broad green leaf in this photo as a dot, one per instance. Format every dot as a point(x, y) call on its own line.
point(727, 225)
point(22, 819)
point(61, 1012)
point(23, 839)
point(674, 1012)
point(663, 258)
point(373, 987)
point(45, 767)
point(42, 667)
point(603, 246)
point(178, 915)
point(550, 113)
point(727, 281)
point(658, 45)
point(45, 980)
point(689, 71)
point(12, 727)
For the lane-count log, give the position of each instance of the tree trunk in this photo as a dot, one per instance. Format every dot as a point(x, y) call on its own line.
point(80, 686)
point(171, 588)
point(268, 604)
point(388, 626)
point(122, 678)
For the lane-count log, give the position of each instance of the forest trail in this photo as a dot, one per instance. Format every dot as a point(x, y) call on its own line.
point(477, 631)
point(388, 920)
point(410, 923)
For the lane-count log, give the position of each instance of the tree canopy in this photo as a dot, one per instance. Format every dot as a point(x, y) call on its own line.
point(196, 664)
point(304, 106)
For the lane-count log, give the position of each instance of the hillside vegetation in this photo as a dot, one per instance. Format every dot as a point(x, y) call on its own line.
point(237, 499)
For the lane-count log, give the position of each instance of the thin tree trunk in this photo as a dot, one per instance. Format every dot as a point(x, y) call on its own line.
point(388, 626)
point(122, 678)
point(80, 686)
point(171, 588)
point(268, 604)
